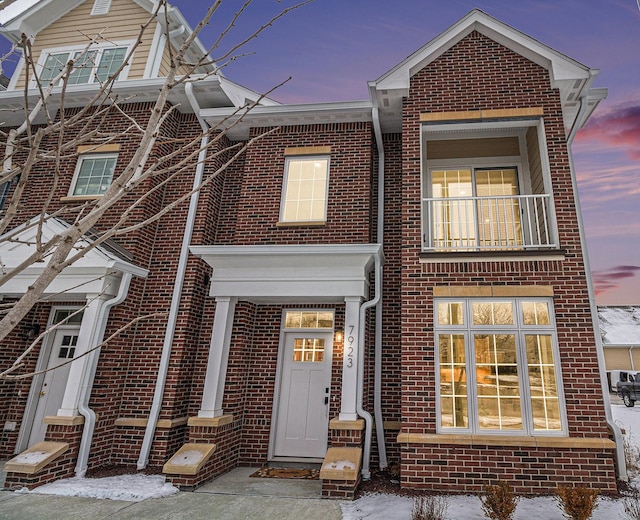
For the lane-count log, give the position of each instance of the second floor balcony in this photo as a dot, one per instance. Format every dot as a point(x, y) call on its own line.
point(489, 223)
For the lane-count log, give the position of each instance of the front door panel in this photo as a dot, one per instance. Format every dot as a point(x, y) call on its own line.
point(55, 381)
point(303, 408)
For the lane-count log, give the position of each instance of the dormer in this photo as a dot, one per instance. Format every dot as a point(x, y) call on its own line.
point(60, 30)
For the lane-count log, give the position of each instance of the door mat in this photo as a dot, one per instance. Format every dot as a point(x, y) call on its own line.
point(312, 474)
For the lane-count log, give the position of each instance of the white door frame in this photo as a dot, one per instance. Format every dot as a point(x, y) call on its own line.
point(36, 384)
point(284, 333)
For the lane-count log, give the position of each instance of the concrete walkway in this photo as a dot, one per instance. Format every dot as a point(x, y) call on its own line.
point(234, 496)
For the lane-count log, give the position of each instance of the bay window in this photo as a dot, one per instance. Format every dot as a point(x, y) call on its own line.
point(498, 368)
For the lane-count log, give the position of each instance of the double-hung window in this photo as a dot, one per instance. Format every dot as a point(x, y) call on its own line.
point(498, 369)
point(93, 175)
point(304, 197)
point(90, 66)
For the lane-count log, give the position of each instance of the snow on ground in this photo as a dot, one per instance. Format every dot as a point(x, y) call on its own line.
point(468, 507)
point(372, 507)
point(131, 488)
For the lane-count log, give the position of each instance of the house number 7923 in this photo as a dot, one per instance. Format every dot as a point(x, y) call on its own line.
point(350, 341)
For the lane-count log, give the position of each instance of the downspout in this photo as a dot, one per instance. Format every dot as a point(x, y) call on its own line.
point(156, 405)
point(366, 473)
point(621, 464)
point(89, 375)
point(631, 358)
point(377, 373)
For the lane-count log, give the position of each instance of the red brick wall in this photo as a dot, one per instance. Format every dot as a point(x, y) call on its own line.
point(257, 206)
point(475, 74)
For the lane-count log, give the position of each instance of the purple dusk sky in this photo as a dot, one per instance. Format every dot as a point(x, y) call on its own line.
point(331, 48)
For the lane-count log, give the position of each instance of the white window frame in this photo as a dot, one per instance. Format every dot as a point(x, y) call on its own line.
point(84, 157)
point(285, 185)
point(98, 48)
point(519, 330)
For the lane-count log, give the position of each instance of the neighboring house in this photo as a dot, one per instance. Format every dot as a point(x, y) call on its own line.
point(409, 267)
point(620, 332)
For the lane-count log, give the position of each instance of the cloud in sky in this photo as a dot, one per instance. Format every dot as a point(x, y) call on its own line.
point(619, 128)
point(610, 279)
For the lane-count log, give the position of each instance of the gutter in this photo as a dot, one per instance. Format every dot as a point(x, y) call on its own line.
point(89, 375)
point(163, 368)
point(613, 427)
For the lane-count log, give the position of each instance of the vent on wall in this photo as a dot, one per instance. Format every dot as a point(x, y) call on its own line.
point(100, 7)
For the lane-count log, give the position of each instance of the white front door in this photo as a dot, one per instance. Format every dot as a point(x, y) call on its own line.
point(303, 409)
point(55, 381)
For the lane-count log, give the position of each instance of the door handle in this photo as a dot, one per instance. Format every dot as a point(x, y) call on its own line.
point(42, 393)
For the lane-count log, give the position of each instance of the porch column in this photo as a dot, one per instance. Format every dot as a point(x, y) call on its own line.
point(350, 359)
point(71, 399)
point(218, 356)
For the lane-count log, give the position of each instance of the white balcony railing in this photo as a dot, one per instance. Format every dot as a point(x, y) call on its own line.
point(521, 222)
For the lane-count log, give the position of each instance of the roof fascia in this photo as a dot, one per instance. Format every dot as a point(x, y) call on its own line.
point(237, 123)
point(560, 66)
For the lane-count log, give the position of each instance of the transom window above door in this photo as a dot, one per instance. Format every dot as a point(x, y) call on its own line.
point(308, 319)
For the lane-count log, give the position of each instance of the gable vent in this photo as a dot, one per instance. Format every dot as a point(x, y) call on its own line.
point(100, 7)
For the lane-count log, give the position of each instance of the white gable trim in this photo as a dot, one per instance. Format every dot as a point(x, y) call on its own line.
point(97, 272)
point(561, 67)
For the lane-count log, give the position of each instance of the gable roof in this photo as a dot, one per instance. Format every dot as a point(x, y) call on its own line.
point(619, 325)
point(572, 78)
point(89, 273)
point(45, 12)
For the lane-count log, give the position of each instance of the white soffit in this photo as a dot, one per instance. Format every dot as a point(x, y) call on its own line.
point(290, 273)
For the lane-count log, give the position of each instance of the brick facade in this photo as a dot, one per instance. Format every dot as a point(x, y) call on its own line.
point(241, 207)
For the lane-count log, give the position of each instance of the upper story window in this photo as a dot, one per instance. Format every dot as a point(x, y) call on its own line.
point(90, 66)
point(486, 187)
point(94, 174)
point(304, 197)
point(498, 369)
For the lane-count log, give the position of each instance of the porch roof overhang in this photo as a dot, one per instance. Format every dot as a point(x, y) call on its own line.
point(99, 271)
point(290, 273)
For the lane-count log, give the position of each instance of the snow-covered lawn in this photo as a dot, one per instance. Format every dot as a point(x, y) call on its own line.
point(371, 507)
point(388, 507)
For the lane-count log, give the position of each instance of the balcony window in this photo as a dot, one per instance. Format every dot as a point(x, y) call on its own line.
point(486, 191)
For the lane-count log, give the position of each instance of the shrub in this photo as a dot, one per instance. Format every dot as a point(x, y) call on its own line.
point(431, 507)
point(499, 502)
point(632, 506)
point(577, 503)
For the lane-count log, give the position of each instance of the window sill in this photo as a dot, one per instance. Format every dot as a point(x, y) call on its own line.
point(310, 223)
point(468, 439)
point(79, 198)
